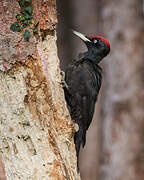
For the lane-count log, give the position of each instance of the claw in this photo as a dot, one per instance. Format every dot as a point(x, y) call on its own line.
point(76, 127)
point(64, 84)
point(62, 73)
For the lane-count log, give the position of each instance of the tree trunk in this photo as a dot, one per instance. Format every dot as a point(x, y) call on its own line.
point(36, 132)
point(123, 101)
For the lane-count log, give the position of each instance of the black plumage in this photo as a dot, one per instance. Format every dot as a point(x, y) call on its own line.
point(83, 78)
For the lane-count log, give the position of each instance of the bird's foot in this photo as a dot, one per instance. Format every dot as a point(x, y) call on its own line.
point(62, 73)
point(76, 127)
point(64, 84)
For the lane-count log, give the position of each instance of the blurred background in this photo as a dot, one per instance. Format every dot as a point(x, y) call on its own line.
point(115, 140)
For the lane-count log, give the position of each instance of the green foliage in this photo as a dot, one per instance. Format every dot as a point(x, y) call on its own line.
point(35, 30)
point(25, 23)
point(21, 3)
point(25, 19)
point(27, 12)
point(36, 24)
point(15, 27)
point(29, 9)
point(26, 35)
point(20, 17)
point(28, 1)
point(30, 21)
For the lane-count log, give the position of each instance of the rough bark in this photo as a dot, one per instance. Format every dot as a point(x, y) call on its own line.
point(123, 101)
point(36, 132)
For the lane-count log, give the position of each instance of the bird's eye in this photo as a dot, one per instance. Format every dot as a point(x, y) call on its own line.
point(95, 41)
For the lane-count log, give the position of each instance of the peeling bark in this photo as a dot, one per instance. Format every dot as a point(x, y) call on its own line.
point(36, 131)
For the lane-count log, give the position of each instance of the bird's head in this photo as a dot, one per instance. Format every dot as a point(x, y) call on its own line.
point(98, 47)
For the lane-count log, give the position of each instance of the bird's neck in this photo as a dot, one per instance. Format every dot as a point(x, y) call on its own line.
point(91, 57)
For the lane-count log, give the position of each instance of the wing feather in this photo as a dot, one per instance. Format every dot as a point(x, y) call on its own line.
point(84, 82)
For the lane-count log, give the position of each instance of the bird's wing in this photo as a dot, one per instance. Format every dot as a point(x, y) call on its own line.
point(93, 87)
point(84, 86)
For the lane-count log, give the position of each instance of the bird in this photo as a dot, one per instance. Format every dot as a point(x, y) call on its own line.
point(83, 78)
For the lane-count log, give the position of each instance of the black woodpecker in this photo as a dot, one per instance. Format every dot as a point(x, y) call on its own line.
point(83, 81)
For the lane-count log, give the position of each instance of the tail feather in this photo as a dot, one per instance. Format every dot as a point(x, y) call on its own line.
point(79, 138)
